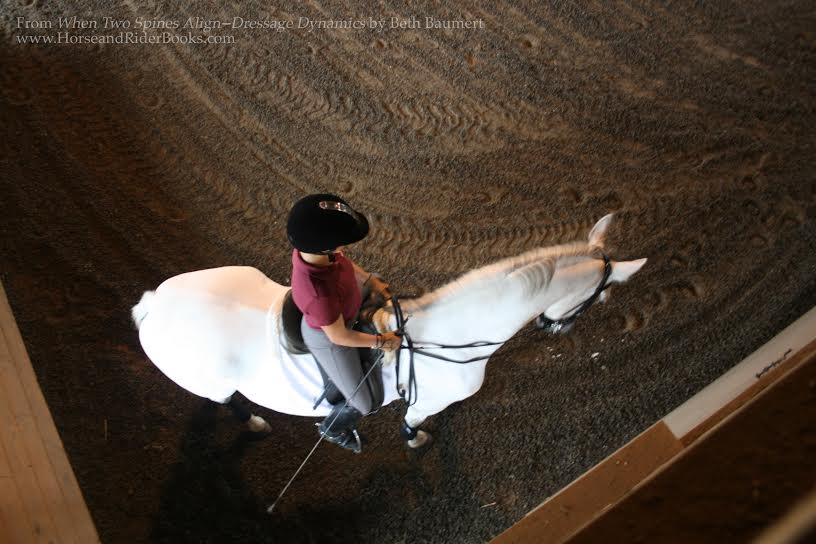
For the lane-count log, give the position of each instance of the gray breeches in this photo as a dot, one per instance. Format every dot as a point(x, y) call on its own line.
point(341, 364)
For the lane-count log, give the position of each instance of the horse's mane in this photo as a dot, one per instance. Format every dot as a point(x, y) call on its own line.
point(535, 268)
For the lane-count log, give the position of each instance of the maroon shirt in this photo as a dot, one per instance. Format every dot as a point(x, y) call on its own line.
point(322, 293)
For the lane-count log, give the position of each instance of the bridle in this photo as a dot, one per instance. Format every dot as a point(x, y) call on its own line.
point(409, 394)
point(557, 325)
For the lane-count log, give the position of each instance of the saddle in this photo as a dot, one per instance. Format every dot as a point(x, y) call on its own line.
point(292, 341)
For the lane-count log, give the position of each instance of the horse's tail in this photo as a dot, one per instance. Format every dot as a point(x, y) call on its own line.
point(140, 311)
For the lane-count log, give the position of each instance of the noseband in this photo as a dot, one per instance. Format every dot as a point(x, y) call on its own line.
point(542, 322)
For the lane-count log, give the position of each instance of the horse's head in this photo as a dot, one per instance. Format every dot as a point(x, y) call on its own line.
point(493, 302)
point(584, 281)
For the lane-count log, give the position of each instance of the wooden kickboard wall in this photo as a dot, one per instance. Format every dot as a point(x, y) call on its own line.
point(604, 485)
point(40, 499)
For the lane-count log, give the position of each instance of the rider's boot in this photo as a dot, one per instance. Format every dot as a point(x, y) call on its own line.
point(340, 427)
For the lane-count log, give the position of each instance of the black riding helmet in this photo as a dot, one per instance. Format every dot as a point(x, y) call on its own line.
point(322, 222)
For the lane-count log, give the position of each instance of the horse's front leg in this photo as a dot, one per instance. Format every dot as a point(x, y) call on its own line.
point(256, 424)
point(410, 432)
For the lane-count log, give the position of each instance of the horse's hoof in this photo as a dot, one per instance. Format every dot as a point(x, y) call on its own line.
point(421, 439)
point(257, 424)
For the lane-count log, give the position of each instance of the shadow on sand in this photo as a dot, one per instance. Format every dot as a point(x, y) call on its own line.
point(206, 499)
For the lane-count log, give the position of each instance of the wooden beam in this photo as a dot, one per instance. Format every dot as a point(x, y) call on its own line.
point(656, 518)
point(793, 526)
point(602, 486)
point(742, 382)
point(34, 478)
point(609, 482)
point(48, 490)
point(16, 524)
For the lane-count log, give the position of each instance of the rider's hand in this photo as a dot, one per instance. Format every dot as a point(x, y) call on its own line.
point(391, 341)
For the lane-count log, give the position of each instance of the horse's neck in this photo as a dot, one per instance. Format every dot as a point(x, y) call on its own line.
point(492, 316)
point(499, 310)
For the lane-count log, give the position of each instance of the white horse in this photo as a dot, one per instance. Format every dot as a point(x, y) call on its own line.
point(217, 331)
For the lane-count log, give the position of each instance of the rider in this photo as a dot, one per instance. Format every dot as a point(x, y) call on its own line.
point(326, 287)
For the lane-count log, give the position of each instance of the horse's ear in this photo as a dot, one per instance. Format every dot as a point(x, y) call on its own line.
point(597, 235)
point(623, 270)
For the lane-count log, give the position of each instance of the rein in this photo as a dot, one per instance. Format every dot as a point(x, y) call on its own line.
point(410, 394)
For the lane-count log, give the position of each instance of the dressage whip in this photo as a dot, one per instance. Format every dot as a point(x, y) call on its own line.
point(319, 440)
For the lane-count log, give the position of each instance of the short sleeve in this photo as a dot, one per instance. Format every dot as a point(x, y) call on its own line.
point(323, 311)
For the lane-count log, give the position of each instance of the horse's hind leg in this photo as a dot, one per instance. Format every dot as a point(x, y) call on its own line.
point(256, 424)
